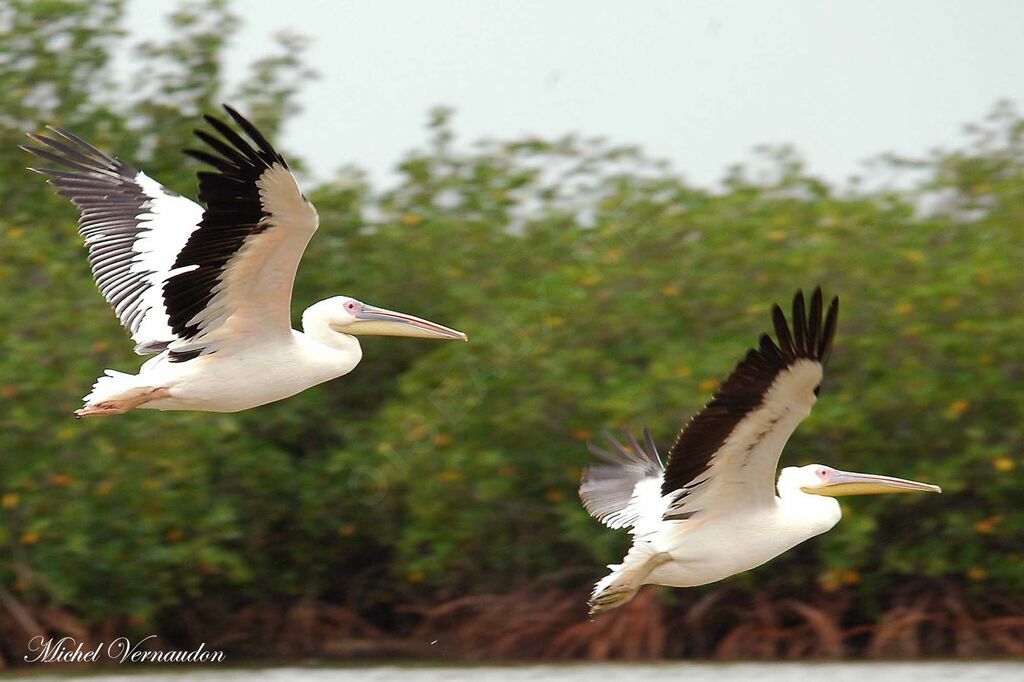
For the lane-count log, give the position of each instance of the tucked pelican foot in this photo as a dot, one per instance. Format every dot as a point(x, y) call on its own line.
point(612, 598)
point(207, 290)
point(710, 509)
point(626, 579)
point(121, 405)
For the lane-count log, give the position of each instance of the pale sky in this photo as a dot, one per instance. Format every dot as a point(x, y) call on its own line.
point(698, 82)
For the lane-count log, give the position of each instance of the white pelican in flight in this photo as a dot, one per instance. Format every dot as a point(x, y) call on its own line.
point(209, 290)
point(714, 510)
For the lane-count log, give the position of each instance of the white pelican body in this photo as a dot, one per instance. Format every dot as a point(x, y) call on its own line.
point(706, 553)
point(209, 289)
point(261, 373)
point(714, 511)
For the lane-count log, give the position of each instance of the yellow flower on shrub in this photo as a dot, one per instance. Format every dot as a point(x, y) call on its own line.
point(849, 577)
point(956, 408)
point(555, 495)
point(987, 526)
point(829, 581)
point(612, 256)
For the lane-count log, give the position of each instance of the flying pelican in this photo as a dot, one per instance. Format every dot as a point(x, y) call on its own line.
point(209, 291)
point(713, 511)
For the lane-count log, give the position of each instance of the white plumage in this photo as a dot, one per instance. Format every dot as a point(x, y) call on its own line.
point(165, 225)
point(209, 289)
point(715, 509)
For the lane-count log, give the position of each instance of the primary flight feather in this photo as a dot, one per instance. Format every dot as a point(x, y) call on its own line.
point(208, 289)
point(714, 509)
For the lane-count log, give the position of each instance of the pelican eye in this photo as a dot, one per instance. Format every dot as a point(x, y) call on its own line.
point(352, 306)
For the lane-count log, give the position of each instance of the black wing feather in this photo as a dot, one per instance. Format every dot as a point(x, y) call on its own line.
point(744, 390)
point(828, 334)
point(799, 325)
point(234, 213)
point(814, 322)
point(108, 194)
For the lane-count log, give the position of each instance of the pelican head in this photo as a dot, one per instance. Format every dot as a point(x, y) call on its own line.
point(346, 315)
point(818, 479)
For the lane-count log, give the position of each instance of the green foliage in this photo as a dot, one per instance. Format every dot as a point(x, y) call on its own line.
point(627, 300)
point(598, 289)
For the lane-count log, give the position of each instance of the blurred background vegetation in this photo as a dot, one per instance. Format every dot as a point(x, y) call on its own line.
point(598, 289)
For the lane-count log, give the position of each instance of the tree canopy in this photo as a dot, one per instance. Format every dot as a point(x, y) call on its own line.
point(598, 288)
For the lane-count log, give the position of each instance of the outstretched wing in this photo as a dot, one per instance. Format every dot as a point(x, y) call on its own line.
point(726, 456)
point(180, 277)
point(625, 488)
point(133, 229)
point(235, 274)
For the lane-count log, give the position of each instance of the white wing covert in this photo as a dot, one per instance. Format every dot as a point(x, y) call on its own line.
point(726, 456)
point(234, 276)
point(133, 228)
point(180, 277)
point(624, 490)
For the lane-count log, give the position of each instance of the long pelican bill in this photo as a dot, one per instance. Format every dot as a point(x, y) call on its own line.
point(843, 483)
point(373, 321)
